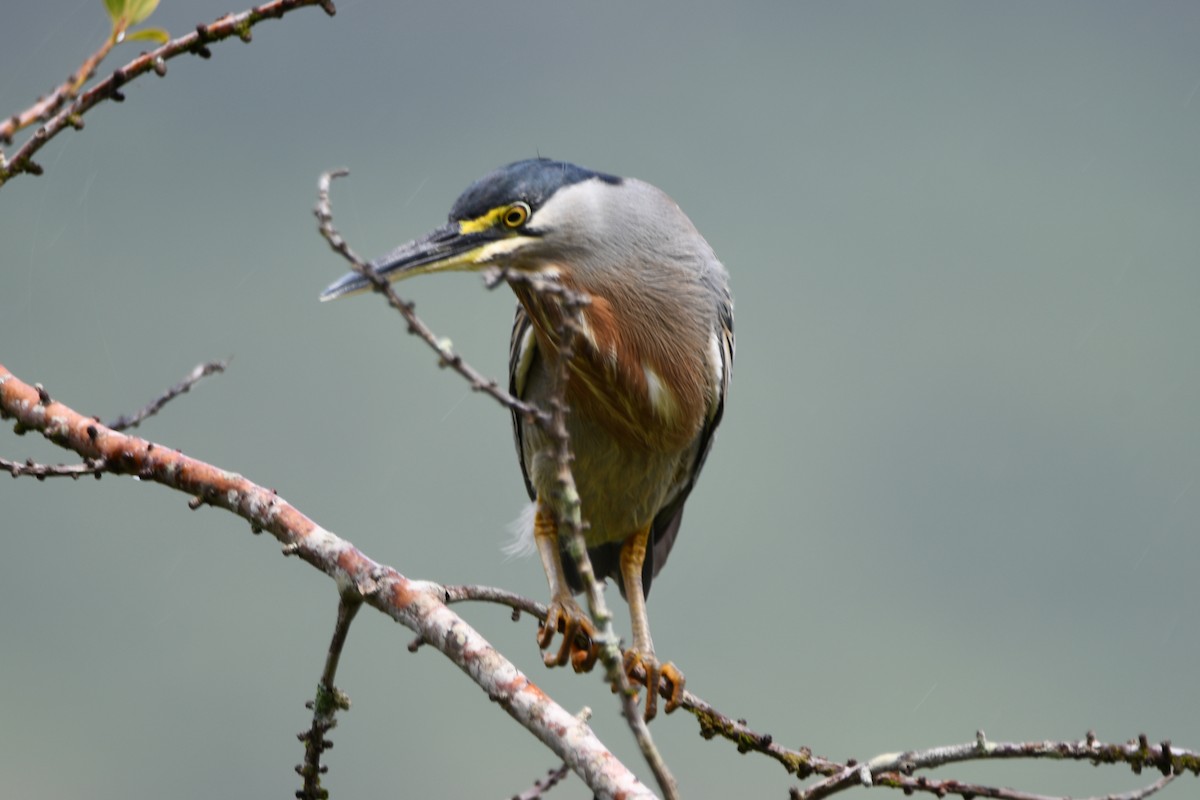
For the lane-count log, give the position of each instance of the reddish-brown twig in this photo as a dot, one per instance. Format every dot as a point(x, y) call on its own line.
point(61, 110)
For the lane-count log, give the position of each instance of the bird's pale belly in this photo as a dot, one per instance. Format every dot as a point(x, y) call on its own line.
point(621, 487)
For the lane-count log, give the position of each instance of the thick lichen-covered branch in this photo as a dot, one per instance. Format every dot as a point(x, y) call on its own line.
point(418, 605)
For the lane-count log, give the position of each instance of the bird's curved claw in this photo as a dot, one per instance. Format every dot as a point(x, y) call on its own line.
point(654, 672)
point(578, 636)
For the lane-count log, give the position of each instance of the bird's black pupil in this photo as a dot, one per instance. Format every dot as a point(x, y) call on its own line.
point(515, 216)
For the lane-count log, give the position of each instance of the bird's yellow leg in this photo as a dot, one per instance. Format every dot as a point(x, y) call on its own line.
point(633, 556)
point(563, 614)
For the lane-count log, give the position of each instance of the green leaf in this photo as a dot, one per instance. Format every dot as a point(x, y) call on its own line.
point(116, 9)
point(138, 10)
point(149, 34)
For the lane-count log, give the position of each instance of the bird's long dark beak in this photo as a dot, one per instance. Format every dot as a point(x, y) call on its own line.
point(445, 248)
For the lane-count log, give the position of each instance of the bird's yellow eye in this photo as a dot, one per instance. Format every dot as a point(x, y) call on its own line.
point(515, 215)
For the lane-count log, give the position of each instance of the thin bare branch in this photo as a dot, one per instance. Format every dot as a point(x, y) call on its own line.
point(32, 469)
point(543, 785)
point(800, 762)
point(325, 705)
point(124, 422)
point(491, 594)
point(446, 355)
point(896, 769)
point(971, 790)
point(1137, 753)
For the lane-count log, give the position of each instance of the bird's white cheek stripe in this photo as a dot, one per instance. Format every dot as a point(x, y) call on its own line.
point(498, 248)
point(661, 399)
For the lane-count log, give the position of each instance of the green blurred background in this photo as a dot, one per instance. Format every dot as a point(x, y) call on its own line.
point(958, 482)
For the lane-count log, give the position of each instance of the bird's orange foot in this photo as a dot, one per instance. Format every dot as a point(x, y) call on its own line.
point(655, 672)
point(578, 636)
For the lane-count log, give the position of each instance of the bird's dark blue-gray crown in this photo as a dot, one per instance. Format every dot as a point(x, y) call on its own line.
point(533, 181)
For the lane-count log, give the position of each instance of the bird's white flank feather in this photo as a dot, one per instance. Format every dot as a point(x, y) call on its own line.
point(520, 543)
